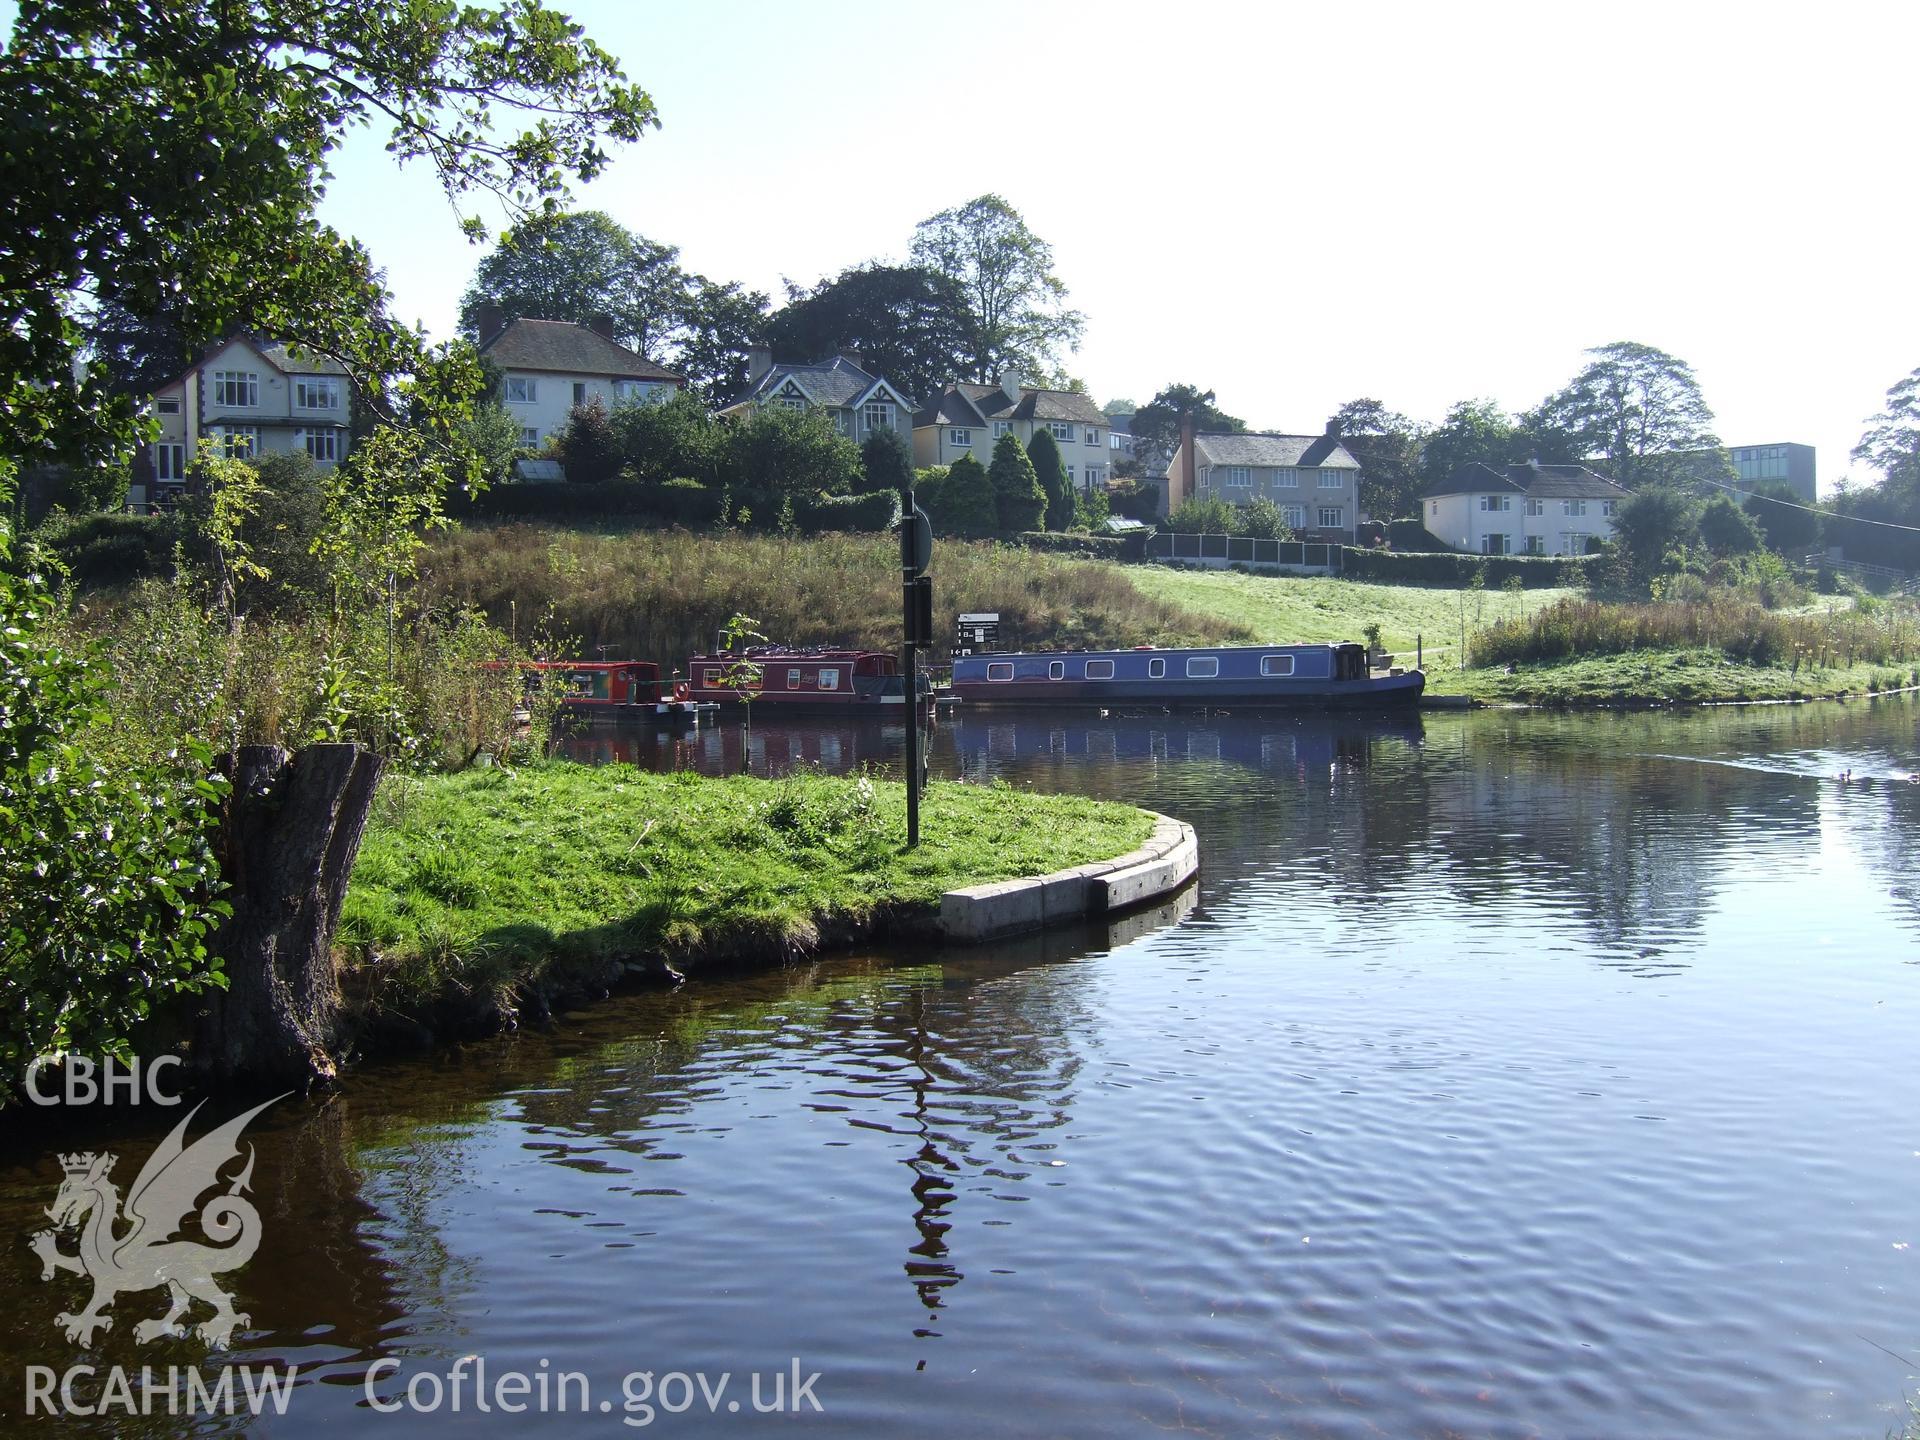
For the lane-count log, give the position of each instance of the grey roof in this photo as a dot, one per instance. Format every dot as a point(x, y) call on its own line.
point(562, 347)
point(993, 403)
point(1120, 424)
point(1282, 451)
point(835, 383)
point(1546, 482)
point(294, 361)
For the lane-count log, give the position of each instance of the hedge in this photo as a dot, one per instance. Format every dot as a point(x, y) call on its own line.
point(1097, 547)
point(876, 510)
point(1450, 568)
point(114, 549)
point(676, 502)
point(1412, 536)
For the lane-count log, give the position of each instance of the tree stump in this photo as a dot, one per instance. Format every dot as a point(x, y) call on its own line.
point(287, 846)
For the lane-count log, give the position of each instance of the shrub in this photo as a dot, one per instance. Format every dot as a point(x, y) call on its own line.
point(878, 510)
point(677, 502)
point(104, 550)
point(775, 453)
point(1043, 452)
point(1135, 499)
point(960, 500)
point(661, 440)
point(1412, 535)
point(1097, 547)
point(588, 447)
point(1264, 520)
point(1018, 501)
point(1726, 529)
point(1206, 517)
point(1453, 568)
point(886, 462)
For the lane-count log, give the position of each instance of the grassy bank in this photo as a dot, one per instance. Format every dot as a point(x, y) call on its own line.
point(477, 884)
point(660, 595)
point(1278, 608)
point(1693, 675)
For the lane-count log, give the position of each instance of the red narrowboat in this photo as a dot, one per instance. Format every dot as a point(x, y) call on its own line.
point(617, 689)
point(817, 680)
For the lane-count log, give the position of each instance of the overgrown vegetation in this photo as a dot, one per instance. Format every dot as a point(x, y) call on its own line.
point(486, 881)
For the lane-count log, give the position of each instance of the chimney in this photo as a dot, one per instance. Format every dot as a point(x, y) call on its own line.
point(1187, 486)
point(1010, 384)
point(1333, 428)
point(601, 324)
point(486, 321)
point(759, 362)
point(854, 358)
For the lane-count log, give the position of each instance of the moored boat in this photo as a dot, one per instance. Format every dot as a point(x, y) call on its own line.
point(1212, 676)
point(628, 690)
point(821, 680)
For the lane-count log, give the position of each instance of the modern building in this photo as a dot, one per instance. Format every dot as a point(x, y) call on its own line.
point(969, 419)
point(248, 396)
point(856, 400)
point(1529, 509)
point(1786, 464)
point(1119, 438)
point(547, 367)
point(1314, 479)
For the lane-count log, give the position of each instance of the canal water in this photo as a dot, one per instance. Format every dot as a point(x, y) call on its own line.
point(1507, 1074)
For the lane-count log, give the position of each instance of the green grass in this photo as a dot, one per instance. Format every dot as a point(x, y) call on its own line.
point(1697, 675)
point(1273, 609)
point(481, 882)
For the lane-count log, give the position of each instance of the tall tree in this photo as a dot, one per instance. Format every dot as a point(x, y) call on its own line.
point(886, 461)
point(141, 346)
point(1018, 501)
point(718, 325)
point(1017, 313)
point(1387, 445)
point(1043, 451)
point(108, 104)
point(1637, 408)
point(1156, 424)
point(908, 323)
point(578, 266)
point(1474, 431)
point(1891, 443)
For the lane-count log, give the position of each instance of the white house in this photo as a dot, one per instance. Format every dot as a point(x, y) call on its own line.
point(856, 400)
point(1529, 509)
point(967, 419)
point(547, 367)
point(248, 396)
point(1314, 479)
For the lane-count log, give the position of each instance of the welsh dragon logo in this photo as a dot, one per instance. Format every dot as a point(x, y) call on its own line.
point(138, 1250)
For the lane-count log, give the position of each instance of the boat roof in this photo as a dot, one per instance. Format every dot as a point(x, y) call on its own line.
point(1165, 650)
point(788, 652)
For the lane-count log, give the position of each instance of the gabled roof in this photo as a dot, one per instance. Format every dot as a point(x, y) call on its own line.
point(564, 348)
point(286, 358)
point(1540, 482)
point(836, 384)
point(1273, 451)
point(993, 403)
point(952, 408)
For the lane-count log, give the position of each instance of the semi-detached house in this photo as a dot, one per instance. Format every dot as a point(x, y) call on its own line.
point(547, 367)
point(1314, 479)
point(1529, 509)
point(968, 419)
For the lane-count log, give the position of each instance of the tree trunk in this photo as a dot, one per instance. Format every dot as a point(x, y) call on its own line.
point(287, 846)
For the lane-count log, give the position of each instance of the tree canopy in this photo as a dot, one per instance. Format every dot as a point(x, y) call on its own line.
point(908, 323)
point(1156, 425)
point(1387, 445)
point(1891, 443)
point(182, 149)
point(1017, 316)
point(1637, 408)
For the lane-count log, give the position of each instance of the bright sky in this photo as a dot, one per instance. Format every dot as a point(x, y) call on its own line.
point(1298, 204)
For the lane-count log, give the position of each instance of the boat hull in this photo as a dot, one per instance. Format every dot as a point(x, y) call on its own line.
point(1315, 677)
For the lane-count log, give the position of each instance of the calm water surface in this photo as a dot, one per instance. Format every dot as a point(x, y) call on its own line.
point(1507, 1075)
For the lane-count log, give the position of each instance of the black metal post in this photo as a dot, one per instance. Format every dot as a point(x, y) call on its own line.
point(910, 680)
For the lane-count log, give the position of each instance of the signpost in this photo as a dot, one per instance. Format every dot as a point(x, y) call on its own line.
point(916, 605)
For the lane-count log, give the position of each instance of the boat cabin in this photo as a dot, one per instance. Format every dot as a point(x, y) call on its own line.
point(593, 683)
point(783, 676)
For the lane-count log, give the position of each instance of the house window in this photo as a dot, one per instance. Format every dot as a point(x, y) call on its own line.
point(319, 444)
point(1494, 545)
point(1238, 477)
point(1573, 507)
point(1093, 437)
point(1331, 517)
point(1001, 427)
point(236, 389)
point(579, 392)
point(1496, 502)
point(960, 437)
point(634, 390)
point(167, 404)
point(1056, 670)
point(1069, 477)
point(316, 392)
point(1286, 479)
point(1093, 476)
point(529, 436)
point(1535, 545)
point(792, 402)
point(1331, 480)
point(1296, 516)
point(1433, 509)
point(1000, 670)
point(1113, 442)
point(1099, 669)
point(829, 679)
point(1536, 506)
point(1606, 507)
point(1062, 429)
point(1157, 668)
point(522, 390)
point(879, 415)
point(1271, 665)
point(1202, 667)
point(169, 464)
point(238, 440)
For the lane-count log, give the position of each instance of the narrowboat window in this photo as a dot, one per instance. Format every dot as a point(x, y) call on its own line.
point(1099, 669)
point(1002, 671)
point(1276, 664)
point(709, 676)
point(1056, 669)
point(793, 679)
point(829, 679)
point(1202, 667)
point(1156, 668)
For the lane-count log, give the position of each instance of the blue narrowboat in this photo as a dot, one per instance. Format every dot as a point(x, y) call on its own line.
point(1217, 675)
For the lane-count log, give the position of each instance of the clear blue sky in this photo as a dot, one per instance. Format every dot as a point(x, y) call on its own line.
point(1299, 204)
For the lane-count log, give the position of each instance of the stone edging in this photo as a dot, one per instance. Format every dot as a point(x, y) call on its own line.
point(1007, 907)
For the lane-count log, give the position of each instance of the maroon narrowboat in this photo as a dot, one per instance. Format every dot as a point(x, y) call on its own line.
point(819, 680)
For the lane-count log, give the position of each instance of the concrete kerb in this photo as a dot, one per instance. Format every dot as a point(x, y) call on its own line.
point(1168, 860)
